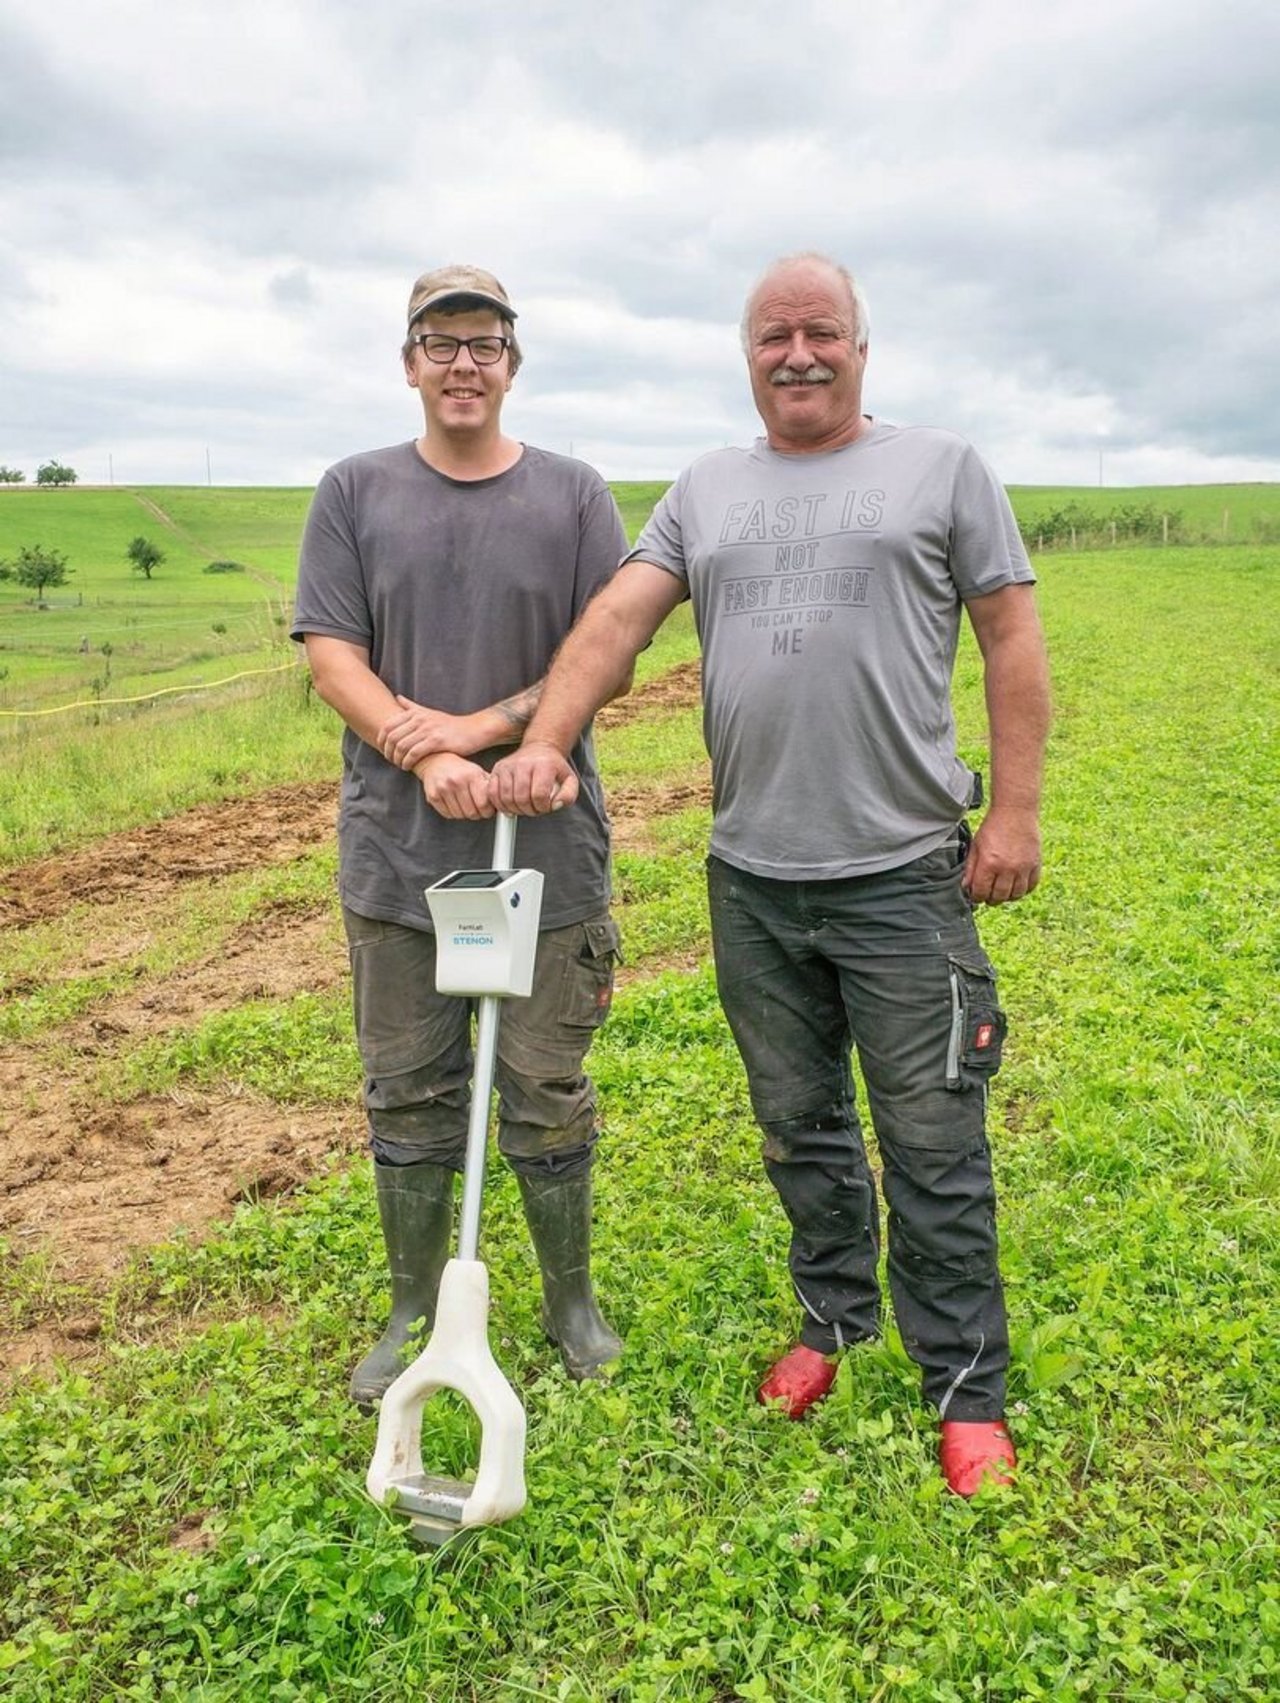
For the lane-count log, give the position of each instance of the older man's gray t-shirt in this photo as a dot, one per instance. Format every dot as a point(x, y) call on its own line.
point(461, 592)
point(827, 591)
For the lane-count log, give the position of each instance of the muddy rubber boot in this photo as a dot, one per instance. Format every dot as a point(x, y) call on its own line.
point(415, 1204)
point(558, 1212)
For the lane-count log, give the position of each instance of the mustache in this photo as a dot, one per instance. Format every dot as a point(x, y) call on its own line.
point(815, 374)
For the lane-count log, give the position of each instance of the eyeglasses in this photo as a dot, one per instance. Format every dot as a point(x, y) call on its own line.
point(484, 351)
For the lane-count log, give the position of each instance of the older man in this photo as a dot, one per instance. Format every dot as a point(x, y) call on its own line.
point(828, 565)
point(437, 579)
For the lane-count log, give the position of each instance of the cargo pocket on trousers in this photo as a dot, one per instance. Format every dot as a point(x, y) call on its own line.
point(587, 989)
point(978, 1026)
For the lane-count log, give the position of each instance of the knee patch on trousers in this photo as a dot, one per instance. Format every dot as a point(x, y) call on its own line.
point(562, 1162)
point(824, 1207)
point(938, 1270)
point(399, 1140)
point(810, 1136)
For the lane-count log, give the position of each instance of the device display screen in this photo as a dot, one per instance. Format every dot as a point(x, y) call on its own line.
point(475, 878)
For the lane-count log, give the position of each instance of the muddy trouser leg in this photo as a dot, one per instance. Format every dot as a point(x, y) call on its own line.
point(818, 1166)
point(917, 993)
point(784, 1005)
point(547, 1127)
point(414, 1044)
point(920, 993)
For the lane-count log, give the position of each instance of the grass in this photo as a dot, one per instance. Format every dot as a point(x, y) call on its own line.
point(140, 764)
point(1204, 514)
point(682, 1545)
point(108, 632)
point(41, 980)
point(109, 638)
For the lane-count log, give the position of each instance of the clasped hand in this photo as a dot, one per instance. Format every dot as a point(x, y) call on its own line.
point(531, 782)
point(416, 731)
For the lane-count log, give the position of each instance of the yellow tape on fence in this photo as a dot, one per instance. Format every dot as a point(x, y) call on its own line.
point(145, 697)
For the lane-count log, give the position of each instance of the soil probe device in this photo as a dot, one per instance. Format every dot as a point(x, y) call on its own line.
point(486, 923)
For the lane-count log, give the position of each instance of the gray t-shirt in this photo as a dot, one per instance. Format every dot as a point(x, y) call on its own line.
point(827, 591)
point(461, 591)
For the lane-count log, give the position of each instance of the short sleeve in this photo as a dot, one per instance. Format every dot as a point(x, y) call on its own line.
point(661, 540)
point(987, 551)
point(331, 598)
point(602, 543)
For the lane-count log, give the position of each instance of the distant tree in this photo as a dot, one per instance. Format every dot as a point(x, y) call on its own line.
point(12, 476)
point(55, 473)
point(37, 568)
point(144, 555)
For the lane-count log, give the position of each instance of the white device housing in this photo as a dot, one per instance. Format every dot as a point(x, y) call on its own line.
point(486, 923)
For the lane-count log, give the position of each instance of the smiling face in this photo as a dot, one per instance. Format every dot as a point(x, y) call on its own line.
point(806, 367)
point(462, 398)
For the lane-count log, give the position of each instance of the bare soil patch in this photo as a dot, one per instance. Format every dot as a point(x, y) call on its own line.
point(85, 1181)
point(678, 689)
point(271, 828)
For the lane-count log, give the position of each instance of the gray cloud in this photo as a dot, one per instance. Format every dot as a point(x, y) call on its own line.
point(1065, 221)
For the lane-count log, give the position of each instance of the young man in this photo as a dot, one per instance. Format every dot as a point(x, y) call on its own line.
point(828, 565)
point(437, 579)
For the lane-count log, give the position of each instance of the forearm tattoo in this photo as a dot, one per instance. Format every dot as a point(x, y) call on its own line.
point(519, 709)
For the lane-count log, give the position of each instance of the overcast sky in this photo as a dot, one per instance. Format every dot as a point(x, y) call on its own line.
point(1066, 218)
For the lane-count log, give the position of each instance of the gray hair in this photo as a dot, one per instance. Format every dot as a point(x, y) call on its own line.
point(857, 301)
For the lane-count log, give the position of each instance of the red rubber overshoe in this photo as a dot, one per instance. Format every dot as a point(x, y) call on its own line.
point(976, 1452)
point(799, 1379)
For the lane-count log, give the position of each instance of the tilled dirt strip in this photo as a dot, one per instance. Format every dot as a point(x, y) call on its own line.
point(235, 834)
point(83, 1180)
point(138, 864)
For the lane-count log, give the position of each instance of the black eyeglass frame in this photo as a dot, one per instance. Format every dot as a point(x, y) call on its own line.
point(467, 343)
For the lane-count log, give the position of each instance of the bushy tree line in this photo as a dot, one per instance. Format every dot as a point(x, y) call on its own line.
point(56, 473)
point(50, 473)
point(1123, 523)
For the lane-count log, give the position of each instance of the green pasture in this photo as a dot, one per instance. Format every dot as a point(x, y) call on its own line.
point(682, 1545)
point(636, 502)
point(258, 526)
point(109, 634)
point(108, 638)
point(1193, 514)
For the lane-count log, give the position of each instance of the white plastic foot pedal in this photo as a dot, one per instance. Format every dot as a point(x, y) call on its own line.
point(457, 1357)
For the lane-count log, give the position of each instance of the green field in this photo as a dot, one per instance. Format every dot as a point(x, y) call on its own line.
point(1196, 514)
point(109, 638)
point(108, 633)
point(681, 1544)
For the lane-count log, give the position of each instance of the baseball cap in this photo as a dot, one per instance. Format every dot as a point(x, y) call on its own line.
point(458, 283)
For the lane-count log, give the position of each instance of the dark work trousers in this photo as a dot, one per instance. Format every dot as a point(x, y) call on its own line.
point(890, 964)
point(415, 1045)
